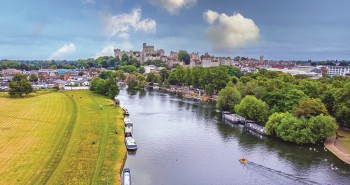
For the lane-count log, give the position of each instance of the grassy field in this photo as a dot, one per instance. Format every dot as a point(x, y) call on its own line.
point(61, 138)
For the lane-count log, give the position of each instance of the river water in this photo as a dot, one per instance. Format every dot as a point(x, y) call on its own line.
point(185, 142)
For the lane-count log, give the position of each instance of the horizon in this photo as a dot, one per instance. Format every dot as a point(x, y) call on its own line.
point(289, 31)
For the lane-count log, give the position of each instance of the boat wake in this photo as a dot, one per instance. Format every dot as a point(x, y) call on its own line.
point(269, 171)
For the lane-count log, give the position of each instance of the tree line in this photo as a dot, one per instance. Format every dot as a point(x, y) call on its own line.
point(294, 108)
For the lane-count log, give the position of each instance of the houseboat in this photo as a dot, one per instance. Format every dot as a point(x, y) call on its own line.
point(126, 178)
point(130, 143)
point(255, 127)
point(233, 118)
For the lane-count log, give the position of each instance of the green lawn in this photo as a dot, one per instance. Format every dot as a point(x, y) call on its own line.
point(344, 142)
point(61, 138)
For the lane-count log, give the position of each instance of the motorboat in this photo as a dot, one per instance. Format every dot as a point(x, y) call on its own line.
point(126, 179)
point(128, 130)
point(130, 143)
point(127, 121)
point(243, 160)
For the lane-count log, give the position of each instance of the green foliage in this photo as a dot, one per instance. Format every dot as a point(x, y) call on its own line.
point(273, 122)
point(341, 105)
point(310, 107)
point(323, 126)
point(20, 86)
point(107, 87)
point(119, 74)
point(209, 89)
point(228, 98)
point(296, 130)
point(180, 74)
point(142, 70)
point(33, 78)
point(301, 130)
point(310, 87)
point(254, 109)
point(156, 62)
point(106, 74)
point(164, 74)
point(128, 68)
point(153, 78)
point(182, 55)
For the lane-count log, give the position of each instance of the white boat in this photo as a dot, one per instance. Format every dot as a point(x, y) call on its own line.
point(126, 179)
point(127, 121)
point(128, 130)
point(130, 143)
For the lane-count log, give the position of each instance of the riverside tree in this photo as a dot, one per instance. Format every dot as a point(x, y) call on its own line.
point(252, 108)
point(228, 98)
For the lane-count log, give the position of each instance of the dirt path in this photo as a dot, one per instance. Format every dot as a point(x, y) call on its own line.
point(330, 145)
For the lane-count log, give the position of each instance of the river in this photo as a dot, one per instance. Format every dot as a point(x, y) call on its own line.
point(184, 142)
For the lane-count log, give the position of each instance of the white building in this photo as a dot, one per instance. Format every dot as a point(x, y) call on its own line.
point(338, 70)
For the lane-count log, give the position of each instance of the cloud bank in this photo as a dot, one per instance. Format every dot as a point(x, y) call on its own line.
point(230, 32)
point(120, 25)
point(62, 52)
point(173, 6)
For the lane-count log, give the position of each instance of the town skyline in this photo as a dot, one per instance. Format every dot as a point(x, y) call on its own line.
point(65, 30)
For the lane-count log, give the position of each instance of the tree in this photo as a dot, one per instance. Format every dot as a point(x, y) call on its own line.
point(209, 89)
point(323, 126)
point(341, 105)
point(180, 74)
point(310, 88)
point(228, 98)
point(296, 130)
point(273, 122)
point(182, 55)
point(128, 68)
point(33, 78)
point(164, 74)
point(310, 107)
point(142, 70)
point(254, 109)
point(125, 59)
point(20, 86)
point(113, 88)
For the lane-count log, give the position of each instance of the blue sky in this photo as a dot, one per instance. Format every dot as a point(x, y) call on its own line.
point(75, 29)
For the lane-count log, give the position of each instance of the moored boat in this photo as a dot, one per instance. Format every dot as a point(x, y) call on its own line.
point(126, 179)
point(126, 112)
point(128, 130)
point(127, 121)
point(255, 127)
point(130, 143)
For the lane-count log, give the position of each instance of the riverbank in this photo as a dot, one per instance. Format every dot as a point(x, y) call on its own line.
point(330, 143)
point(188, 93)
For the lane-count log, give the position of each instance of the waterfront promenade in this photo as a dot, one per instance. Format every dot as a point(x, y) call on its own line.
point(330, 145)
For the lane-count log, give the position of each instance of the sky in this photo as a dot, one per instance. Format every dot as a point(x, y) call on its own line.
point(81, 29)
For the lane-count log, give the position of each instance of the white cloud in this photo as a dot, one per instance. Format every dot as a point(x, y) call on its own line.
point(121, 25)
point(62, 52)
point(89, 1)
point(210, 16)
point(108, 50)
point(230, 32)
point(173, 6)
